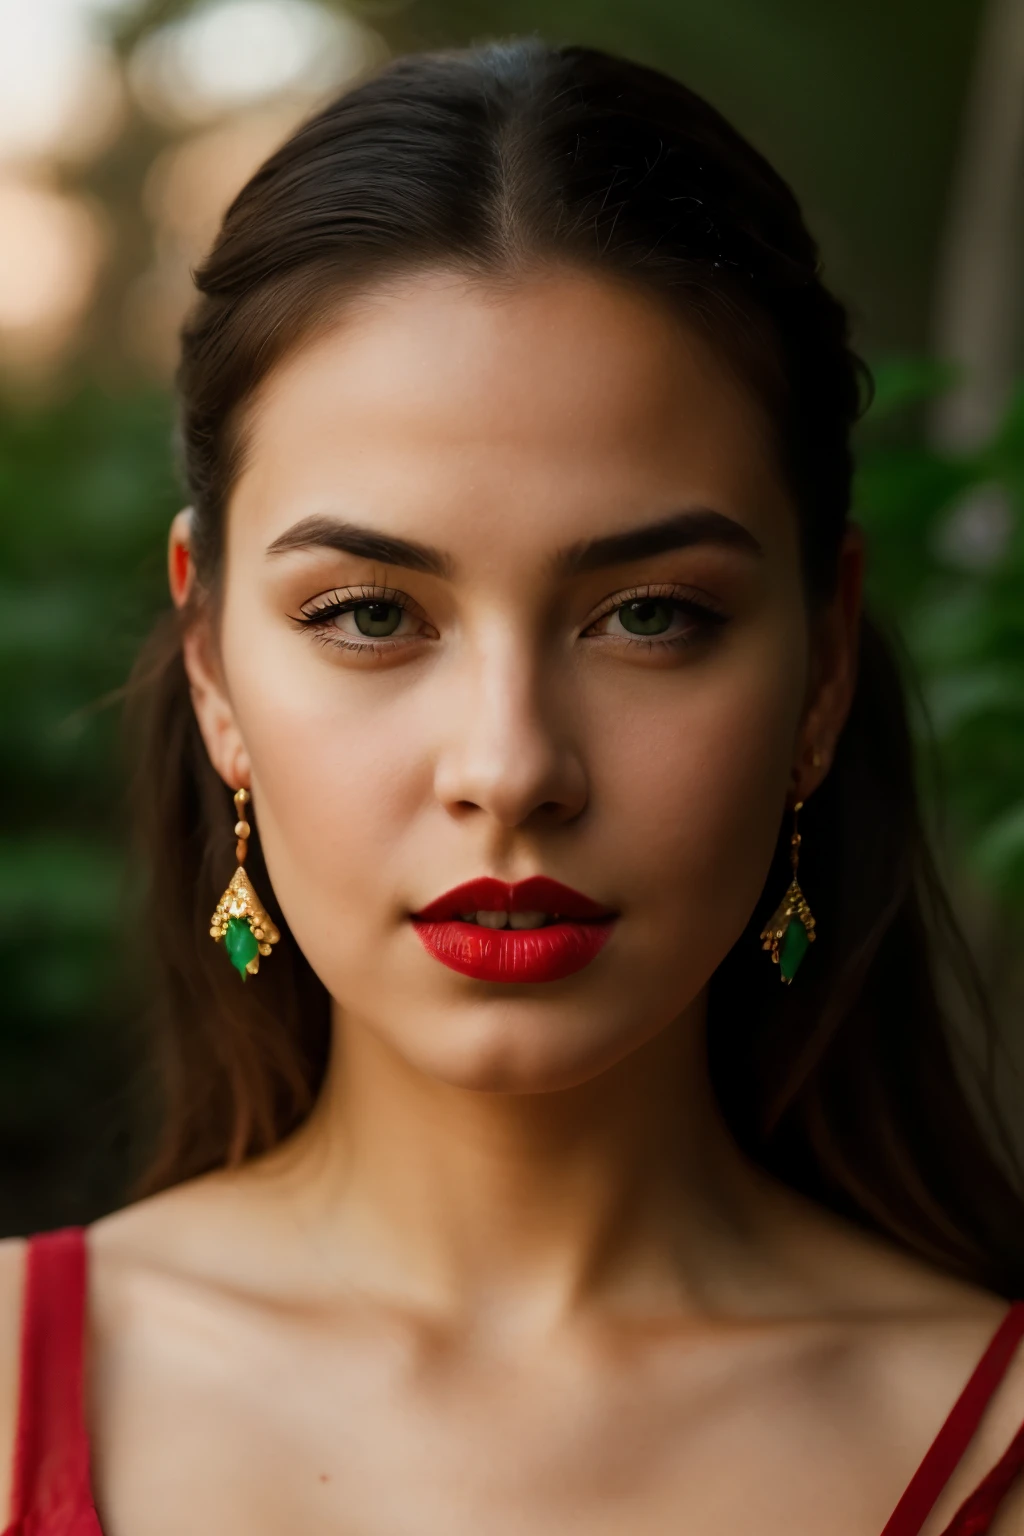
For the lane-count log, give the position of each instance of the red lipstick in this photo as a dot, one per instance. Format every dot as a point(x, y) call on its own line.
point(575, 931)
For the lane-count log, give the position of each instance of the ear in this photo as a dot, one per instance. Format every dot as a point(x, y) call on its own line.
point(833, 674)
point(180, 569)
point(210, 699)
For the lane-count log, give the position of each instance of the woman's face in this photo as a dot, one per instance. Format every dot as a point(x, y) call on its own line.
point(534, 689)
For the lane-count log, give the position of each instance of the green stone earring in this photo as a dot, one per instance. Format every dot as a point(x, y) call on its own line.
point(790, 929)
point(240, 918)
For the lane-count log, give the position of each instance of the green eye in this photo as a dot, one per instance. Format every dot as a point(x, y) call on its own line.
point(376, 619)
point(647, 616)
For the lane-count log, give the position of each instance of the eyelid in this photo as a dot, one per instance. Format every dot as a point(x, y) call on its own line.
point(337, 595)
point(694, 595)
point(706, 609)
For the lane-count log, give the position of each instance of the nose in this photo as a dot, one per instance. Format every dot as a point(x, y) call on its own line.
point(508, 749)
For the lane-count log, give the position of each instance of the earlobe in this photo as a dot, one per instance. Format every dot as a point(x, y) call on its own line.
point(212, 706)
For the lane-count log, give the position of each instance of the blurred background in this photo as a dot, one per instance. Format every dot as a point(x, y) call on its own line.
point(125, 129)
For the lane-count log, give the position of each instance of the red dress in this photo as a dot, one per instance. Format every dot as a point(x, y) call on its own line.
point(52, 1493)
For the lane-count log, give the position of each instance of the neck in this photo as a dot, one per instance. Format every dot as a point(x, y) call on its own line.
point(626, 1188)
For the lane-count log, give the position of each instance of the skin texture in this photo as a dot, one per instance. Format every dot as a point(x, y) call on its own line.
point(513, 1275)
point(499, 741)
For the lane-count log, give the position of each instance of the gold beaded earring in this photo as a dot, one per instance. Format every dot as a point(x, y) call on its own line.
point(240, 918)
point(790, 929)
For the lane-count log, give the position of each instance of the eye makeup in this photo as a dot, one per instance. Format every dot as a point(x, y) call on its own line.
point(655, 617)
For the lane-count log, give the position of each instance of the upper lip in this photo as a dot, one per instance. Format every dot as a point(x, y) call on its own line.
point(537, 894)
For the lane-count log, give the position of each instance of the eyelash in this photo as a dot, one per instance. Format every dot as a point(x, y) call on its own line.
point(318, 620)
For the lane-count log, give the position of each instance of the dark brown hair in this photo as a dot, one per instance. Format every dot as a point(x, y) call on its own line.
point(493, 162)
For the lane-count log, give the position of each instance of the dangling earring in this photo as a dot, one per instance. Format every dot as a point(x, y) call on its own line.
point(240, 919)
point(791, 928)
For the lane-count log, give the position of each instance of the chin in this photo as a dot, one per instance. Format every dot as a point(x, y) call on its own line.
point(515, 1053)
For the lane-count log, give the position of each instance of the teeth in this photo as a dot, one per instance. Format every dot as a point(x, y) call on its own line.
point(527, 919)
point(491, 919)
point(506, 919)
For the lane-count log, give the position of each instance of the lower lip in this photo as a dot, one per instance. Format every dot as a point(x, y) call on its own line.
point(514, 954)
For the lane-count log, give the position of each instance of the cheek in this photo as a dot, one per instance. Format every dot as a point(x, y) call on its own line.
point(336, 770)
point(700, 789)
point(687, 775)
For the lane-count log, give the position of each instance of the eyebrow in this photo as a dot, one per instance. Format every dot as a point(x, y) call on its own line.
point(693, 525)
point(320, 532)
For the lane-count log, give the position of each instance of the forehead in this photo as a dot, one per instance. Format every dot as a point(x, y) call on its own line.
point(559, 399)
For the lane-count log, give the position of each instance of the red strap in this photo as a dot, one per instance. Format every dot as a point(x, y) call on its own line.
point(979, 1509)
point(51, 1469)
point(952, 1439)
point(51, 1466)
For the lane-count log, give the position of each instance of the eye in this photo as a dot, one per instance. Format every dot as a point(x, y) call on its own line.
point(647, 615)
point(375, 619)
point(356, 620)
point(378, 620)
point(660, 618)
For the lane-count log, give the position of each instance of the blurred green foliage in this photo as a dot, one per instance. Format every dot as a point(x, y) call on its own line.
point(960, 612)
point(87, 487)
point(86, 490)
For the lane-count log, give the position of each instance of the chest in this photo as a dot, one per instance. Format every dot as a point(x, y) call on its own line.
point(379, 1434)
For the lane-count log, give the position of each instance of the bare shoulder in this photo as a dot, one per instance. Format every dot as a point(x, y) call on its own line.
point(939, 1357)
point(909, 1359)
point(909, 1337)
point(225, 1230)
point(12, 1275)
point(206, 1232)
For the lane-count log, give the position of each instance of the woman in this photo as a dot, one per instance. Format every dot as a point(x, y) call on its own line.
point(582, 1148)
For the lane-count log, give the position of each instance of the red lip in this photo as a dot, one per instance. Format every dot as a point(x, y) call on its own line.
point(537, 894)
point(514, 954)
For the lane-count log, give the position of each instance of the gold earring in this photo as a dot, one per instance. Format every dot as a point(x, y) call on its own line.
point(791, 927)
point(240, 918)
